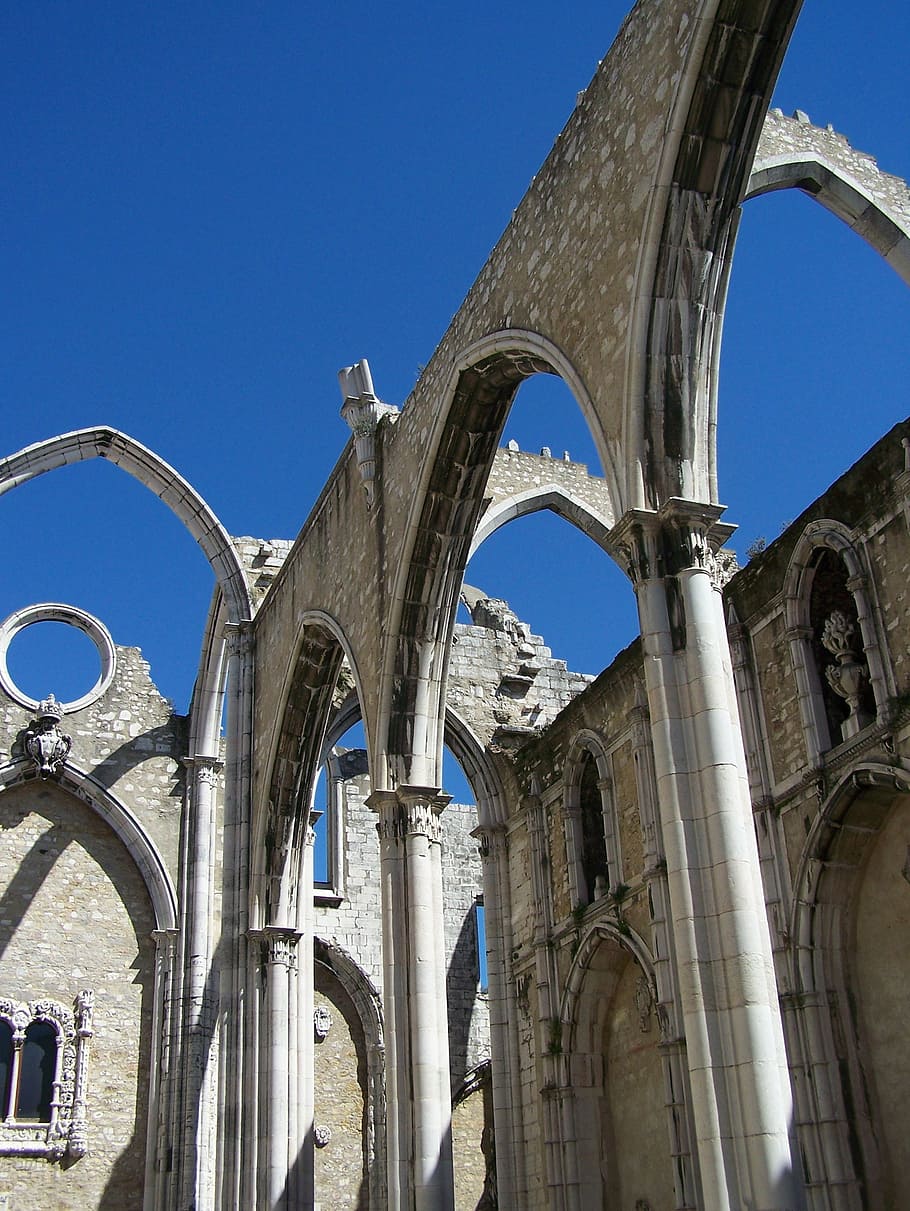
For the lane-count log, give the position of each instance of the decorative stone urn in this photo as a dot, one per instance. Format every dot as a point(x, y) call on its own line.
point(849, 676)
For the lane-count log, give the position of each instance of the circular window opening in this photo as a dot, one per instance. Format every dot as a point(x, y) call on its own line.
point(53, 658)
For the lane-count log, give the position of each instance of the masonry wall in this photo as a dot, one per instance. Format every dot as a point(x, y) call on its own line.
point(76, 915)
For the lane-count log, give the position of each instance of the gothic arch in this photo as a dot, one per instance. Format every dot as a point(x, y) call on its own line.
point(296, 751)
point(365, 999)
point(687, 248)
point(548, 496)
point(866, 213)
point(480, 390)
point(156, 475)
point(839, 1138)
point(121, 821)
point(610, 994)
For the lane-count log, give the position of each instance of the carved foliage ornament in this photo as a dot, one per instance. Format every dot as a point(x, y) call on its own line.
point(849, 676)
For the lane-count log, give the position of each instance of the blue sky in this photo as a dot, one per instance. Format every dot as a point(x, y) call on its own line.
point(210, 208)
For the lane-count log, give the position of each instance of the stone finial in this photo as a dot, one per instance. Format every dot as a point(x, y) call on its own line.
point(362, 411)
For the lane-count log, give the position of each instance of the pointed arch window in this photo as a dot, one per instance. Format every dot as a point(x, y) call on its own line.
point(592, 832)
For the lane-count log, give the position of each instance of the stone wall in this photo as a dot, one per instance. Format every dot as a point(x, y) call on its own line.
point(76, 915)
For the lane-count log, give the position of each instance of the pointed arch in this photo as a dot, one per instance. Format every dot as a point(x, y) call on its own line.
point(555, 497)
point(687, 248)
point(858, 203)
point(480, 390)
point(297, 749)
point(153, 473)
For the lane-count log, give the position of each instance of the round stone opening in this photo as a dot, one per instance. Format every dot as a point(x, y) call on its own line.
point(53, 658)
point(55, 649)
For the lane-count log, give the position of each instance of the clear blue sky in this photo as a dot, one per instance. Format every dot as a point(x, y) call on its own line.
point(209, 209)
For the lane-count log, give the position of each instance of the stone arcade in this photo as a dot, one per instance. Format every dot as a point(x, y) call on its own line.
point(693, 870)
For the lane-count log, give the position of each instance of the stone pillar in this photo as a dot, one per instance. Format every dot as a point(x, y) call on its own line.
point(199, 988)
point(741, 1099)
point(279, 955)
point(237, 1136)
point(160, 1076)
point(416, 1019)
point(506, 1101)
point(302, 1022)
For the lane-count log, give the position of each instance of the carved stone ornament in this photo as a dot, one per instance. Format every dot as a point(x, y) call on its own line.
point(64, 1134)
point(849, 676)
point(644, 1002)
point(321, 1136)
point(45, 743)
point(322, 1022)
point(362, 411)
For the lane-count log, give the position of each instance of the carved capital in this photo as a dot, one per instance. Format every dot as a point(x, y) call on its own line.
point(206, 770)
point(362, 411)
point(279, 946)
point(422, 807)
point(409, 811)
point(681, 535)
point(239, 636)
point(492, 841)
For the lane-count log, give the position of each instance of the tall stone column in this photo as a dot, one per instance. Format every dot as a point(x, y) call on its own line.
point(160, 1076)
point(416, 1019)
point(200, 992)
point(742, 1105)
point(279, 956)
point(503, 1026)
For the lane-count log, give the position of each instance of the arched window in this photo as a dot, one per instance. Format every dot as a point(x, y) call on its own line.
point(37, 1073)
point(842, 681)
point(43, 1058)
point(592, 835)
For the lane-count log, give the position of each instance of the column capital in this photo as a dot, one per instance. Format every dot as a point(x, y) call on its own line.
point(279, 944)
point(409, 811)
point(492, 839)
point(681, 535)
point(239, 636)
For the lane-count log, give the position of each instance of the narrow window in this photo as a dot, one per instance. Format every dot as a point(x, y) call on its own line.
point(593, 839)
point(480, 928)
point(37, 1070)
point(6, 1067)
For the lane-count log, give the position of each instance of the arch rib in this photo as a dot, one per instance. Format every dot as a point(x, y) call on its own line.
point(156, 475)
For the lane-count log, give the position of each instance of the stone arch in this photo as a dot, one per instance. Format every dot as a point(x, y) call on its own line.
point(156, 475)
point(447, 502)
point(296, 753)
point(365, 999)
point(827, 534)
point(832, 1078)
point(687, 248)
point(121, 821)
point(860, 198)
point(548, 496)
point(585, 838)
point(610, 988)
